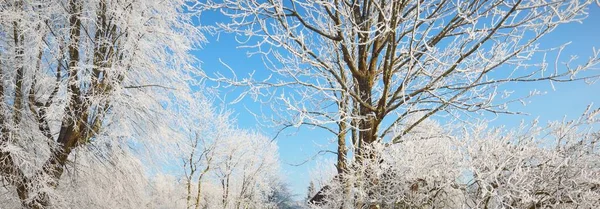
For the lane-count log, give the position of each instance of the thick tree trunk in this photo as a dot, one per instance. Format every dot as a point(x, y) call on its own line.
point(368, 125)
point(73, 120)
point(368, 122)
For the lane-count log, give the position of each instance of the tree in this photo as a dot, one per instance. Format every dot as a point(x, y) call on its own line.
point(227, 167)
point(365, 67)
point(248, 163)
point(534, 166)
point(283, 197)
point(531, 166)
point(200, 152)
point(76, 74)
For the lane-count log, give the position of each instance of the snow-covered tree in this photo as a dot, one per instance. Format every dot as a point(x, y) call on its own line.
point(283, 198)
point(83, 81)
point(227, 167)
point(360, 69)
point(532, 166)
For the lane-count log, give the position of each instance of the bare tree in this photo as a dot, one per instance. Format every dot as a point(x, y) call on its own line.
point(367, 66)
point(248, 165)
point(234, 168)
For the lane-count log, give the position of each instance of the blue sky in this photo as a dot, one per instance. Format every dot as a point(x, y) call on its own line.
point(298, 145)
